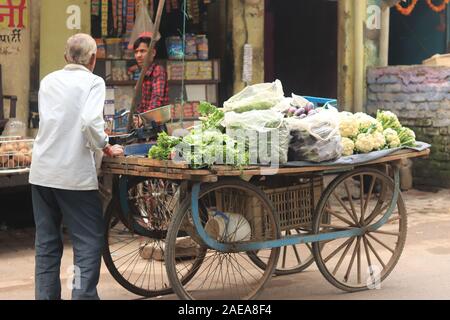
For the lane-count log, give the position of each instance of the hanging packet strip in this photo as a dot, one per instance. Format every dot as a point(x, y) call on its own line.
point(195, 12)
point(175, 4)
point(189, 9)
point(120, 18)
point(114, 10)
point(104, 18)
point(130, 16)
point(124, 14)
point(95, 7)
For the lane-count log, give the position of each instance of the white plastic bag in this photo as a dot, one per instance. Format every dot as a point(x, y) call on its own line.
point(265, 132)
point(315, 138)
point(15, 128)
point(261, 96)
point(284, 105)
point(255, 119)
point(143, 27)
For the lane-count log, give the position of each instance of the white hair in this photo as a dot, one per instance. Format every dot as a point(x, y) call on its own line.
point(80, 48)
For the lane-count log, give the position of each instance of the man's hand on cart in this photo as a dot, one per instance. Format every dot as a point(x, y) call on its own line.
point(113, 151)
point(137, 122)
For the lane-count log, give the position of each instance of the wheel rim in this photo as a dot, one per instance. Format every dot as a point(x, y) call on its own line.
point(134, 259)
point(223, 275)
point(356, 200)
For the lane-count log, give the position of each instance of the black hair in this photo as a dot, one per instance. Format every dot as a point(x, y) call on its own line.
point(145, 40)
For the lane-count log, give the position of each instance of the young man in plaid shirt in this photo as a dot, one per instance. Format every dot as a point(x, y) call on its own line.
point(155, 89)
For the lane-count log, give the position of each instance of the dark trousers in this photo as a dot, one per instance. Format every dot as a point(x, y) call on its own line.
point(81, 213)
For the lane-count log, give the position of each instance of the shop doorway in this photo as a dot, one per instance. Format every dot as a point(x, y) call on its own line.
point(419, 36)
point(301, 46)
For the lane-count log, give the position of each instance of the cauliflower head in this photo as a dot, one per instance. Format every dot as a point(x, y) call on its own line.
point(348, 146)
point(388, 119)
point(368, 123)
point(348, 126)
point(379, 140)
point(392, 139)
point(365, 143)
point(407, 137)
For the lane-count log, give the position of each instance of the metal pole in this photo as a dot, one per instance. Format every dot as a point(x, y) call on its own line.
point(147, 63)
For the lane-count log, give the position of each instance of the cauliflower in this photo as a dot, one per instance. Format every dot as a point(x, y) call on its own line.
point(379, 140)
point(388, 120)
point(407, 137)
point(367, 123)
point(348, 126)
point(348, 146)
point(392, 139)
point(365, 143)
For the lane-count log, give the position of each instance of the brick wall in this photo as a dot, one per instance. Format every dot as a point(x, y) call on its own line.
point(420, 96)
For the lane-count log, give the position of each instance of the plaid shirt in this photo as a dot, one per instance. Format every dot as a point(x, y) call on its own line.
point(155, 90)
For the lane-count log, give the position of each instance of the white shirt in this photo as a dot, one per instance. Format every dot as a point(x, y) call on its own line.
point(71, 130)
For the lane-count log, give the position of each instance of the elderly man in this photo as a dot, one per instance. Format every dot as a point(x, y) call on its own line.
point(63, 172)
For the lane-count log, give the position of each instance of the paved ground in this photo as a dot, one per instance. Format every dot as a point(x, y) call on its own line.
point(422, 273)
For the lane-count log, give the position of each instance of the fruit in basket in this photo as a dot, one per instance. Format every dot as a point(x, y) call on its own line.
point(11, 164)
point(8, 147)
point(22, 146)
point(4, 160)
point(19, 157)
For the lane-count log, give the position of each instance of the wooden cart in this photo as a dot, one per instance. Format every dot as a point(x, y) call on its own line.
point(222, 233)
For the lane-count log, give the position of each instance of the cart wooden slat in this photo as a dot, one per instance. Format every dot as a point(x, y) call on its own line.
point(179, 170)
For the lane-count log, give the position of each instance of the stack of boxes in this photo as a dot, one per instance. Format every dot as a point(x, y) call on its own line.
point(188, 110)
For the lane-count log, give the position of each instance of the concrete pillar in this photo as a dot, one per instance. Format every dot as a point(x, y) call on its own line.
point(345, 55)
point(254, 19)
point(363, 42)
point(15, 56)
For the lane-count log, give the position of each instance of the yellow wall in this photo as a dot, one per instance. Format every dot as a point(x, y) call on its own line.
point(54, 31)
point(15, 60)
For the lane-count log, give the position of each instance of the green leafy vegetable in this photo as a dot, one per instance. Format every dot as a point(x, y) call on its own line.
point(164, 147)
point(211, 116)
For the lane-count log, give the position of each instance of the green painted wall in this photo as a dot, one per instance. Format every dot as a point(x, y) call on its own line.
point(55, 32)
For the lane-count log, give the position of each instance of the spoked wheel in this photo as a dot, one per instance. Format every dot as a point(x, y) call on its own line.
point(293, 259)
point(134, 242)
point(360, 262)
point(231, 211)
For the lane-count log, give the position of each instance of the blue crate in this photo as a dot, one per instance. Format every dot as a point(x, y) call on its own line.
point(322, 102)
point(139, 149)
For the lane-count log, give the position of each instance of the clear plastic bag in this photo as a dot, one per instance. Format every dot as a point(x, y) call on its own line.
point(15, 128)
point(143, 27)
point(315, 138)
point(265, 132)
point(261, 96)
